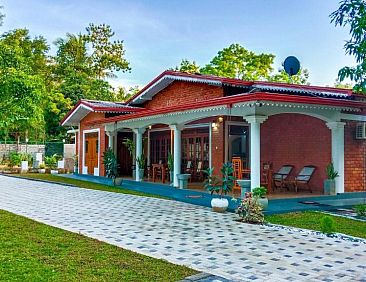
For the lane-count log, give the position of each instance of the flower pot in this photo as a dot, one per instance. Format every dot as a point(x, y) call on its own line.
point(42, 170)
point(24, 167)
point(117, 181)
point(329, 187)
point(54, 171)
point(219, 205)
point(263, 202)
point(244, 185)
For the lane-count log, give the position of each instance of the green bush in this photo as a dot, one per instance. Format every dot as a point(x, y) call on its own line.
point(327, 225)
point(360, 209)
point(15, 159)
point(51, 162)
point(250, 210)
point(259, 192)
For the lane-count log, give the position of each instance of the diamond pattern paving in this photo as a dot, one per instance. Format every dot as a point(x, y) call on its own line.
point(187, 234)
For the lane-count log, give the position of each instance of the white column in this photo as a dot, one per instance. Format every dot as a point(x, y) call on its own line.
point(177, 155)
point(110, 135)
point(138, 133)
point(337, 131)
point(255, 149)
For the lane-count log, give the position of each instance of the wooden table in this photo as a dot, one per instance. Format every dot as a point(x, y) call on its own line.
point(155, 169)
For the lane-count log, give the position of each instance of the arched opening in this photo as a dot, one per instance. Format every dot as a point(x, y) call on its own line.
point(298, 140)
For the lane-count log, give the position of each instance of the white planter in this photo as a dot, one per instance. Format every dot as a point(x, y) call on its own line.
point(219, 205)
point(54, 171)
point(24, 167)
point(61, 164)
point(42, 170)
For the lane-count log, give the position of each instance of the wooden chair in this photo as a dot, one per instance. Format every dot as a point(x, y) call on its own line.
point(267, 176)
point(198, 172)
point(304, 177)
point(280, 177)
point(239, 172)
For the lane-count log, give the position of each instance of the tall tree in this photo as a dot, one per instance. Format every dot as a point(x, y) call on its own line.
point(22, 83)
point(188, 66)
point(237, 62)
point(301, 78)
point(352, 14)
point(84, 61)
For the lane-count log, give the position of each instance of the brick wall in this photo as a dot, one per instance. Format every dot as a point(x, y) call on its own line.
point(180, 92)
point(354, 159)
point(102, 139)
point(298, 140)
point(218, 145)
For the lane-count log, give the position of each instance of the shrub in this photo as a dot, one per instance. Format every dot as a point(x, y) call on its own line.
point(360, 209)
point(327, 225)
point(220, 185)
point(14, 159)
point(259, 192)
point(331, 172)
point(250, 211)
point(51, 162)
point(110, 164)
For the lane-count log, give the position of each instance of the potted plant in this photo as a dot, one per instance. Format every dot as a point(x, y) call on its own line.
point(111, 167)
point(25, 160)
point(220, 186)
point(130, 145)
point(329, 183)
point(42, 168)
point(171, 167)
point(250, 210)
point(259, 194)
point(76, 164)
point(141, 165)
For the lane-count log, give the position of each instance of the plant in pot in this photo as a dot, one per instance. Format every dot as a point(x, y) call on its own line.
point(220, 186)
point(130, 145)
point(141, 166)
point(42, 168)
point(111, 167)
point(329, 183)
point(259, 194)
point(171, 167)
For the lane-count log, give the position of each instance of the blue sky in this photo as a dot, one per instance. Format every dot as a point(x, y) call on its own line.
point(158, 34)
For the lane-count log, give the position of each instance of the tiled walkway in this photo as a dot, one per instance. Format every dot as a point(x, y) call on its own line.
point(187, 234)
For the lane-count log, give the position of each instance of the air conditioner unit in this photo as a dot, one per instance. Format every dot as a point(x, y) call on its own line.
point(361, 130)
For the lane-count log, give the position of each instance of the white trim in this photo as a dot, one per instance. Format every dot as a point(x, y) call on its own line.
point(353, 117)
point(227, 123)
point(83, 160)
point(74, 111)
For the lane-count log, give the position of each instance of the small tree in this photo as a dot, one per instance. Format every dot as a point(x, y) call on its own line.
point(220, 186)
point(110, 165)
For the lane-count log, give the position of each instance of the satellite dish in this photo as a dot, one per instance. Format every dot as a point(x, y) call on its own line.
point(291, 65)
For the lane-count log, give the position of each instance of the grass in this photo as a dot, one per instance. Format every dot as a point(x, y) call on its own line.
point(31, 251)
point(85, 184)
point(311, 220)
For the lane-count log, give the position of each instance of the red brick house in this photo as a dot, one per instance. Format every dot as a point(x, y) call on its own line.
point(209, 119)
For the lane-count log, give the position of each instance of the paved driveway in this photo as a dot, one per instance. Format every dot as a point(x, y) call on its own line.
point(187, 234)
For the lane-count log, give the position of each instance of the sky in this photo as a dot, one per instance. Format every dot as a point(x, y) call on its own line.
point(158, 34)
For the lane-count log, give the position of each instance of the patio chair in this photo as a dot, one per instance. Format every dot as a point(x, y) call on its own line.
point(280, 177)
point(304, 177)
point(198, 172)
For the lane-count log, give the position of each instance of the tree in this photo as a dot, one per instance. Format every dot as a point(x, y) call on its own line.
point(84, 61)
point(188, 66)
point(352, 14)
point(301, 78)
point(237, 62)
point(22, 84)
point(122, 95)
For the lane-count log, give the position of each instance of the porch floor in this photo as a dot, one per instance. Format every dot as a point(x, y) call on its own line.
point(278, 203)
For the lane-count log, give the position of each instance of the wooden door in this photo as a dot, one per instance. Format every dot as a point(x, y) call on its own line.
point(91, 152)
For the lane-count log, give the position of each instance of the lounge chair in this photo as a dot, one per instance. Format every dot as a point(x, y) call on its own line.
point(304, 177)
point(280, 177)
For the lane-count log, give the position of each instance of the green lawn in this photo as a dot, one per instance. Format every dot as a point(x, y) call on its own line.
point(311, 220)
point(31, 251)
point(85, 184)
